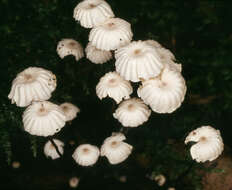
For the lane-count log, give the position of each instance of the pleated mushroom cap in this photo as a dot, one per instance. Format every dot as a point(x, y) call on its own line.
point(132, 112)
point(111, 34)
point(209, 143)
point(86, 154)
point(114, 86)
point(92, 12)
point(69, 110)
point(166, 56)
point(43, 118)
point(115, 149)
point(97, 56)
point(67, 47)
point(164, 94)
point(137, 61)
point(50, 150)
point(32, 84)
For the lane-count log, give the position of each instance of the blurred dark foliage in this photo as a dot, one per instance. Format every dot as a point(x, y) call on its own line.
point(198, 32)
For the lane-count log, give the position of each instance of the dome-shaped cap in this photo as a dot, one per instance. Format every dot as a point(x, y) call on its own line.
point(132, 112)
point(137, 61)
point(70, 111)
point(32, 84)
point(43, 118)
point(86, 154)
point(115, 149)
point(50, 150)
point(92, 12)
point(111, 34)
point(67, 47)
point(164, 94)
point(97, 56)
point(114, 86)
point(209, 143)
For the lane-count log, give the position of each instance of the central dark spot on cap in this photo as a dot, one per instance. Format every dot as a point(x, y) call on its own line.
point(137, 51)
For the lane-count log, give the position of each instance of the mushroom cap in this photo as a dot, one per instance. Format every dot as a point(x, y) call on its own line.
point(114, 86)
point(86, 154)
point(50, 150)
point(160, 179)
point(138, 60)
point(115, 149)
point(97, 56)
point(164, 94)
point(70, 111)
point(32, 84)
point(67, 47)
point(209, 143)
point(43, 118)
point(92, 12)
point(166, 56)
point(111, 34)
point(132, 112)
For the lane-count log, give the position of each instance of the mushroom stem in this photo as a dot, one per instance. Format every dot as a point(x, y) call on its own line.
point(54, 144)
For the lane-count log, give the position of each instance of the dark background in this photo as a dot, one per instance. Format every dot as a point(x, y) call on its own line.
point(199, 33)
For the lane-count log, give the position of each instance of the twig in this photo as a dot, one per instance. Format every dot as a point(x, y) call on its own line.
point(54, 144)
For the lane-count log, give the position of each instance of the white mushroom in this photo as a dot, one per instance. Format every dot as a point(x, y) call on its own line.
point(43, 118)
point(132, 112)
point(115, 149)
point(209, 143)
point(165, 93)
point(50, 150)
point(137, 61)
point(97, 56)
point(92, 12)
point(160, 179)
point(67, 47)
point(74, 182)
point(70, 111)
point(114, 86)
point(110, 35)
point(86, 154)
point(32, 84)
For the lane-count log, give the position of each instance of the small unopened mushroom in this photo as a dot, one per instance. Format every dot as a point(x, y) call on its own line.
point(114, 86)
point(74, 182)
point(32, 84)
point(67, 47)
point(132, 112)
point(50, 150)
point(92, 12)
point(16, 164)
point(70, 111)
point(165, 93)
point(43, 118)
point(171, 188)
point(97, 56)
point(138, 60)
point(111, 34)
point(209, 144)
point(86, 154)
point(115, 149)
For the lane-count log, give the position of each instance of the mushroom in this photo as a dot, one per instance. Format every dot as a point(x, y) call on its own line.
point(111, 34)
point(32, 84)
point(209, 144)
point(115, 149)
point(70, 111)
point(92, 12)
point(86, 154)
point(43, 118)
point(132, 112)
point(67, 47)
point(114, 86)
point(73, 182)
point(138, 60)
point(50, 150)
point(97, 56)
point(165, 93)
